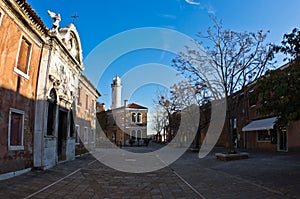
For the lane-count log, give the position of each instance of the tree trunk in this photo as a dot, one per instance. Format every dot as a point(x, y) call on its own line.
point(230, 122)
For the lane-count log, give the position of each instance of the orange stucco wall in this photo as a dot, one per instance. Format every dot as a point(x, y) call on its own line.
point(16, 92)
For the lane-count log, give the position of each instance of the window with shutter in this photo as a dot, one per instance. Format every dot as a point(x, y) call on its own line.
point(1, 17)
point(86, 102)
point(16, 130)
point(79, 97)
point(23, 59)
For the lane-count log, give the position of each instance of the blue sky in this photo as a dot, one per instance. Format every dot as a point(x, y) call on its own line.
point(99, 20)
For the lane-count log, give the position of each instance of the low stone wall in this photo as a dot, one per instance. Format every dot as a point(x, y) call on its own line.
point(228, 157)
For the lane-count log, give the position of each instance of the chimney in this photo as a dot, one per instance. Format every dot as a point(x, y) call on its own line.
point(125, 103)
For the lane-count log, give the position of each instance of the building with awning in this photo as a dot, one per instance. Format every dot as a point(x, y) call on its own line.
point(261, 133)
point(261, 124)
point(251, 128)
point(264, 134)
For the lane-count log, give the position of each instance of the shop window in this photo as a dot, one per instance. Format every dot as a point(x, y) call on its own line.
point(23, 58)
point(263, 136)
point(16, 130)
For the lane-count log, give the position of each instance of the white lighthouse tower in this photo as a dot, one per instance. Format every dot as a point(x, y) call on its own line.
point(116, 92)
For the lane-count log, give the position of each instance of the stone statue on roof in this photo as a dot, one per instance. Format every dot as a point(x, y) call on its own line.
point(56, 18)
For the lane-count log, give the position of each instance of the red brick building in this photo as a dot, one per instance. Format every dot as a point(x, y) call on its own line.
point(122, 124)
point(253, 130)
point(256, 131)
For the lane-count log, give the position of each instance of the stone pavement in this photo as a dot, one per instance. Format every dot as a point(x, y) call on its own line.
point(263, 175)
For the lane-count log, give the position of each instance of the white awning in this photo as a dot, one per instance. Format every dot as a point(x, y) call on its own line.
point(263, 124)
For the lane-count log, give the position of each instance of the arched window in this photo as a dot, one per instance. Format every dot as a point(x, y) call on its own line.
point(51, 112)
point(133, 117)
point(139, 134)
point(139, 118)
point(132, 134)
point(53, 95)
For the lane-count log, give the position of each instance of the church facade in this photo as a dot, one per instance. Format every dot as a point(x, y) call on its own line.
point(61, 68)
point(40, 70)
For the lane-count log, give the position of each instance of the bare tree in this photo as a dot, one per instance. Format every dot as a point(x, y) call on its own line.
point(158, 119)
point(229, 61)
point(184, 94)
point(166, 106)
point(181, 96)
point(187, 93)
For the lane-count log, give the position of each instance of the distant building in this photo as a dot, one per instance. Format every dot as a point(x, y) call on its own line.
point(253, 130)
point(22, 40)
point(85, 119)
point(122, 123)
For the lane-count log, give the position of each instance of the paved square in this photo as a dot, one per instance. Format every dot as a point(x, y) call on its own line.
point(263, 175)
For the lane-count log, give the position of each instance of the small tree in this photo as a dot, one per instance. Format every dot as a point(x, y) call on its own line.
point(158, 118)
point(185, 94)
point(166, 105)
point(181, 95)
point(235, 58)
point(279, 90)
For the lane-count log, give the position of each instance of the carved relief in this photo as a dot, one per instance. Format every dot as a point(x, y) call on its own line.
point(63, 82)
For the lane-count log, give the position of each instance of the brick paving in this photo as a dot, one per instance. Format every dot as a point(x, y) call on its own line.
point(263, 175)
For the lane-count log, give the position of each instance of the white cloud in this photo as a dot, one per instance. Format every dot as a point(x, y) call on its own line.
point(169, 27)
point(211, 10)
point(192, 2)
point(169, 16)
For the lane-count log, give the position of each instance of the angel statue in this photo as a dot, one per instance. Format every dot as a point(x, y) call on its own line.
point(56, 18)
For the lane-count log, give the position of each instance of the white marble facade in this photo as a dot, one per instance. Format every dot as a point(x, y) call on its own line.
point(60, 70)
